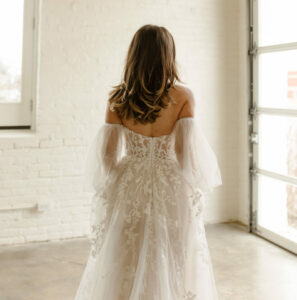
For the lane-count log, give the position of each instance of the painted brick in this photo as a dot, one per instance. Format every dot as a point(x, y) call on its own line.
point(27, 144)
point(50, 143)
point(74, 142)
point(50, 173)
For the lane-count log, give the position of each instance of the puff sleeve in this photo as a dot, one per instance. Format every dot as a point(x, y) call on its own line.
point(196, 158)
point(104, 152)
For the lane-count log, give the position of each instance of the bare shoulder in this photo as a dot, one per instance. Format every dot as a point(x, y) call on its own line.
point(111, 116)
point(183, 90)
point(187, 101)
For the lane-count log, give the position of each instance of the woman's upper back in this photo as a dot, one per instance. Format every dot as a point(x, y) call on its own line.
point(184, 107)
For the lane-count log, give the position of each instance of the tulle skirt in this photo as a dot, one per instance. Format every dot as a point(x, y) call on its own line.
point(148, 237)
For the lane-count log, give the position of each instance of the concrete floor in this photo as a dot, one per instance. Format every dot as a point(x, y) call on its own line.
point(246, 268)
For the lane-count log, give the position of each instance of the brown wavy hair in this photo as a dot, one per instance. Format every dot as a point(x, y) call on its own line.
point(150, 70)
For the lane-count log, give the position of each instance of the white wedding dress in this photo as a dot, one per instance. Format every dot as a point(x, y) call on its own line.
point(148, 238)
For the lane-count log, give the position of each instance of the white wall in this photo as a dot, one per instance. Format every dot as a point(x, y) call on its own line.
point(83, 47)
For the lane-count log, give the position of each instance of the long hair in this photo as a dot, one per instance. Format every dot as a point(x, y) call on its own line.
point(150, 70)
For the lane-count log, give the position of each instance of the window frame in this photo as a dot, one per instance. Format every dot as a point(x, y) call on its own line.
point(254, 112)
point(20, 115)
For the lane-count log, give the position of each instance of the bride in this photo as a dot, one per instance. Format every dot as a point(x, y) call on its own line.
point(149, 168)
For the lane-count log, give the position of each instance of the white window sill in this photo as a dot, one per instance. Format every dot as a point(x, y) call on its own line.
point(17, 133)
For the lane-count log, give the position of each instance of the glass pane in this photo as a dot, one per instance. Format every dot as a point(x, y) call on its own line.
point(278, 144)
point(277, 21)
point(278, 79)
point(277, 206)
point(11, 36)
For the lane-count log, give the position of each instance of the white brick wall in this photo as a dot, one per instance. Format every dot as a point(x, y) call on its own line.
point(83, 47)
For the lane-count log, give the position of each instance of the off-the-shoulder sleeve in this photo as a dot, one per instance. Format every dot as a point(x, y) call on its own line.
point(103, 154)
point(196, 158)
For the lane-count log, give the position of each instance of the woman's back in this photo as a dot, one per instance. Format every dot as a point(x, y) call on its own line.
point(184, 107)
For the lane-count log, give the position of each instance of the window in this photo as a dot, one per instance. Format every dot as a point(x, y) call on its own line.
point(18, 62)
point(273, 110)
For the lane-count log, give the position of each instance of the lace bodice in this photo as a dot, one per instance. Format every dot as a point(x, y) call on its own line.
point(146, 147)
point(186, 145)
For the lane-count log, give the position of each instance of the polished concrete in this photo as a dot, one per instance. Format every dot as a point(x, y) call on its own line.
point(246, 268)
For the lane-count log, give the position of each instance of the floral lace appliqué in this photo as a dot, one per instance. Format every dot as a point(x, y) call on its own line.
point(155, 216)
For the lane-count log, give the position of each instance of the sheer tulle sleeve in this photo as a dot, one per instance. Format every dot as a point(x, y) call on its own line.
point(103, 154)
point(196, 158)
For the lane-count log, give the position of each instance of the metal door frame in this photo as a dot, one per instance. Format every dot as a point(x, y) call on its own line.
point(253, 125)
